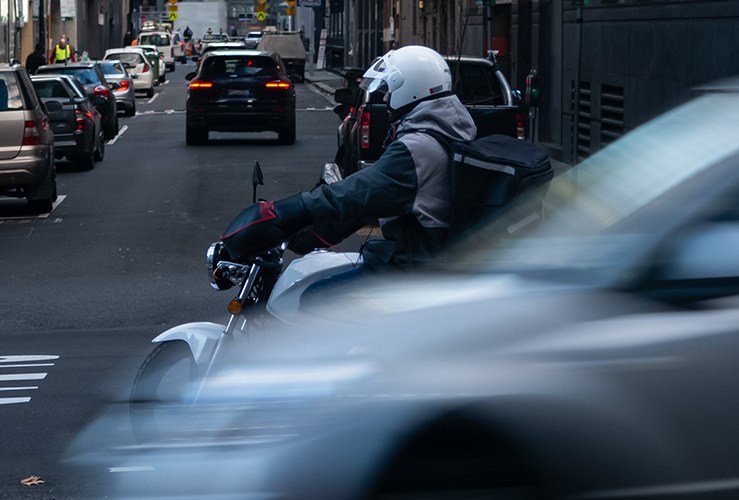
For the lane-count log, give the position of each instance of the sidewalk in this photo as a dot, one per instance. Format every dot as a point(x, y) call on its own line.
point(326, 81)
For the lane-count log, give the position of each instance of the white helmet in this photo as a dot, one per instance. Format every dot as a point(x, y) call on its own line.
point(409, 74)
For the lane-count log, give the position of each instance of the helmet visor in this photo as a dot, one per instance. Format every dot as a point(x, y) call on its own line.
point(372, 85)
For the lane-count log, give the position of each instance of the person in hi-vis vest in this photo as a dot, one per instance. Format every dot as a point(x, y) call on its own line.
point(62, 52)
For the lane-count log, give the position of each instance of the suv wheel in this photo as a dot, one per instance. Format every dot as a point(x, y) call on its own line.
point(195, 135)
point(100, 149)
point(287, 134)
point(42, 198)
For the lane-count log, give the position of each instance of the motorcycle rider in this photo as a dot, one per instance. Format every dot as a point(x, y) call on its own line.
point(407, 189)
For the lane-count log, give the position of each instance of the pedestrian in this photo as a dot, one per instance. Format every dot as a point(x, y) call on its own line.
point(62, 52)
point(127, 38)
point(408, 189)
point(35, 59)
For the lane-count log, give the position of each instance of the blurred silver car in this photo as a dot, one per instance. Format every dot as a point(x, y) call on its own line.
point(123, 87)
point(585, 351)
point(27, 168)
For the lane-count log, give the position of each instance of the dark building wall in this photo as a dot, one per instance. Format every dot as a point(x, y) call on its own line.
point(633, 60)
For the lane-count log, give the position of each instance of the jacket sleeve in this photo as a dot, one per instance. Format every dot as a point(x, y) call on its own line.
point(385, 189)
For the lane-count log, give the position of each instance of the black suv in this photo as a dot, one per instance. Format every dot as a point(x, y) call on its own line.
point(97, 87)
point(26, 141)
point(240, 91)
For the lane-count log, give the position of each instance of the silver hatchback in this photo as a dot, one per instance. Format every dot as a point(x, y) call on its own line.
point(26, 141)
point(122, 85)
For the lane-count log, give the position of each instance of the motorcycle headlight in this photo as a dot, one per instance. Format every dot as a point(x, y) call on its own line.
point(215, 254)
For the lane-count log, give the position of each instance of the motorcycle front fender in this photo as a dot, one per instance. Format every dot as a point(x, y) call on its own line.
point(201, 337)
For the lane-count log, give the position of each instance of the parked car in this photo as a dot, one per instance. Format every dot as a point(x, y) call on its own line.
point(98, 90)
point(125, 92)
point(77, 127)
point(240, 91)
point(252, 39)
point(585, 354)
point(135, 61)
point(156, 59)
point(477, 81)
point(27, 168)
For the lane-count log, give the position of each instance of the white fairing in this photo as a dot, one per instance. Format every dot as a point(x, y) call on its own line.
point(202, 338)
point(284, 302)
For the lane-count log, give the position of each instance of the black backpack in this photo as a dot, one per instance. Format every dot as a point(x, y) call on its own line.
point(488, 172)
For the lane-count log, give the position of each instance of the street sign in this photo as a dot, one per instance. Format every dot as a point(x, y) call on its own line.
point(290, 11)
point(291, 3)
point(172, 16)
point(261, 2)
point(261, 8)
point(261, 16)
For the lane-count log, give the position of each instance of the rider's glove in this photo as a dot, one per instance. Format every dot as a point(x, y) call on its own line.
point(264, 225)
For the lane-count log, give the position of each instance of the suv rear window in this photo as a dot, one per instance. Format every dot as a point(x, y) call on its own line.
point(86, 76)
point(214, 67)
point(130, 58)
point(154, 39)
point(10, 95)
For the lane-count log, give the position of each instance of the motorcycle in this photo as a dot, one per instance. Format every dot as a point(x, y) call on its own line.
point(267, 291)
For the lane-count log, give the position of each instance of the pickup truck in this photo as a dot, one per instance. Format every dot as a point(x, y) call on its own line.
point(477, 81)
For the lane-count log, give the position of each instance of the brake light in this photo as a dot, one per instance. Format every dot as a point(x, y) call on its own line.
point(520, 128)
point(79, 118)
point(146, 68)
point(198, 84)
point(101, 90)
point(364, 130)
point(31, 134)
point(277, 85)
point(122, 86)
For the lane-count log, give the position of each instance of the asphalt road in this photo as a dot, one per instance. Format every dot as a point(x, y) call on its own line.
point(119, 259)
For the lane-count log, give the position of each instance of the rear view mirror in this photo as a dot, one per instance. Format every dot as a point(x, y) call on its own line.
point(344, 96)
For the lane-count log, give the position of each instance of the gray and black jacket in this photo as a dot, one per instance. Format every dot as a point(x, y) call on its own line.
point(407, 189)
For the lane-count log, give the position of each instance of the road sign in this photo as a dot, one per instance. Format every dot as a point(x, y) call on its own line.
point(291, 3)
point(290, 11)
point(172, 16)
point(261, 2)
point(172, 7)
point(261, 16)
point(261, 8)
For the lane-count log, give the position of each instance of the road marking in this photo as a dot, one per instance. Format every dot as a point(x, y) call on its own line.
point(25, 219)
point(152, 99)
point(327, 108)
point(22, 361)
point(142, 468)
point(118, 135)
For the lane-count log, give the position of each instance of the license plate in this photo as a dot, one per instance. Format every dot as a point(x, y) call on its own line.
point(239, 93)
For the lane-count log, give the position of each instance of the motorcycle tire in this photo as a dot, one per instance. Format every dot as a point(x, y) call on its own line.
point(159, 390)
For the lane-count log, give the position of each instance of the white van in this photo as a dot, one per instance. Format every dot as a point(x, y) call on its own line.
point(166, 42)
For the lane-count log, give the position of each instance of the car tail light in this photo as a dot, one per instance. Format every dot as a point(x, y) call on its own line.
point(199, 84)
point(146, 68)
point(277, 85)
point(520, 128)
point(364, 129)
point(101, 90)
point(79, 118)
point(122, 86)
point(31, 134)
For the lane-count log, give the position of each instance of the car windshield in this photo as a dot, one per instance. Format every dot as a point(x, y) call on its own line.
point(86, 76)
point(598, 212)
point(50, 88)
point(130, 58)
point(10, 95)
point(215, 67)
point(154, 39)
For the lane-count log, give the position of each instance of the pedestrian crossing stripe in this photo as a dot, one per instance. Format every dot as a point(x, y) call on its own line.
point(8, 376)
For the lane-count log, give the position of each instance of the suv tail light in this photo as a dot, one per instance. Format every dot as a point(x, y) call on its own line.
point(79, 118)
point(101, 90)
point(364, 129)
point(277, 85)
point(200, 84)
point(520, 128)
point(31, 134)
point(146, 68)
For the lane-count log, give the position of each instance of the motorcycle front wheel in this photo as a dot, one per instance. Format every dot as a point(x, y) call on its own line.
point(159, 391)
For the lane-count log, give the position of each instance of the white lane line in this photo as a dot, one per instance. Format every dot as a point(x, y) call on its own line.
point(12, 401)
point(20, 358)
point(22, 376)
point(120, 133)
point(152, 99)
point(27, 388)
point(25, 365)
point(142, 468)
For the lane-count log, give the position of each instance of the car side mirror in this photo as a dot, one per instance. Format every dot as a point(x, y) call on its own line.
point(52, 107)
point(190, 76)
point(344, 96)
